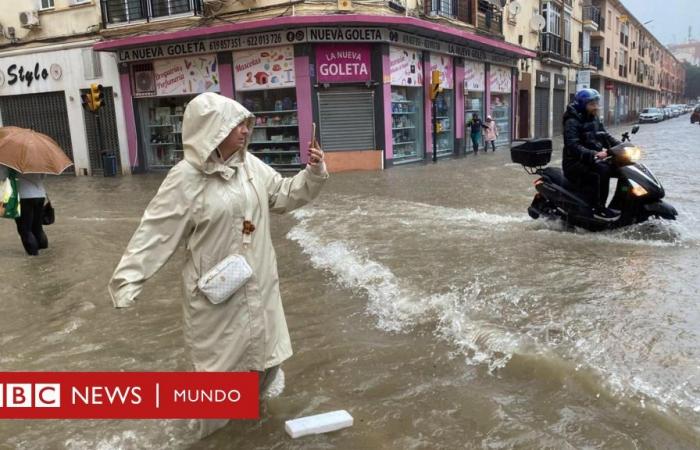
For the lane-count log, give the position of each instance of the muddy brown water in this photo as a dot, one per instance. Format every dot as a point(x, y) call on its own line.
point(422, 299)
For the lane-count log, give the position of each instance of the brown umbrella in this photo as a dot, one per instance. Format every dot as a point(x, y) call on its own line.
point(27, 151)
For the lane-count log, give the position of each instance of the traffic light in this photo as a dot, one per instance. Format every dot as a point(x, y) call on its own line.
point(435, 88)
point(96, 97)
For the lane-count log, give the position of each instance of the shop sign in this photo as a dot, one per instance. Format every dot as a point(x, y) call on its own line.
point(609, 86)
point(500, 79)
point(311, 34)
point(255, 40)
point(26, 75)
point(186, 75)
point(443, 63)
point(264, 68)
point(343, 63)
point(347, 34)
point(559, 82)
point(583, 77)
point(406, 66)
point(474, 76)
point(543, 79)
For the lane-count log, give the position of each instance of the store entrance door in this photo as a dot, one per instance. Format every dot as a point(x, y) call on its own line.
point(524, 114)
point(541, 112)
point(559, 109)
point(45, 113)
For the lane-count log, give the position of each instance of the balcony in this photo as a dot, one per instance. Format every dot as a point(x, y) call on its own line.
point(444, 8)
point(489, 18)
point(592, 59)
point(600, 31)
point(591, 18)
point(552, 46)
point(121, 12)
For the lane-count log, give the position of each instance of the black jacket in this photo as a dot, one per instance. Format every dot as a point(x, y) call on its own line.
point(581, 139)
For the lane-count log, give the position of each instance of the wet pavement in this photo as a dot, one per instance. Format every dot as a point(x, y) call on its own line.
point(422, 299)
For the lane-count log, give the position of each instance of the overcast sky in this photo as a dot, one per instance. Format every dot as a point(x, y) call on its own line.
point(671, 18)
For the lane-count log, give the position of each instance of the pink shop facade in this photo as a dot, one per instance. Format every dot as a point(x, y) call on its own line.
point(364, 80)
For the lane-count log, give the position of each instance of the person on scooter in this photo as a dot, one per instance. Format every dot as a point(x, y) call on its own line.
point(586, 145)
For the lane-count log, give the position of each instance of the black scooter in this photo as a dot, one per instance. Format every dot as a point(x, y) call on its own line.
point(638, 195)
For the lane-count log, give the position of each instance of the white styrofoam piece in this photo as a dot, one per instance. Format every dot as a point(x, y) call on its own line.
point(320, 423)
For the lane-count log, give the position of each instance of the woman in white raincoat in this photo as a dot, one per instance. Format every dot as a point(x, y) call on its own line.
point(205, 200)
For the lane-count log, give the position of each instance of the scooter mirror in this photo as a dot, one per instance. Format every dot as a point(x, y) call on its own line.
point(635, 129)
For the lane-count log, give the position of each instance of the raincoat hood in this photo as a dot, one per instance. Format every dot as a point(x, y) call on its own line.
point(209, 118)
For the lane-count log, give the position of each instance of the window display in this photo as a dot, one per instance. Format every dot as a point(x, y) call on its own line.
point(445, 119)
point(161, 130)
point(474, 86)
point(406, 129)
point(275, 138)
point(500, 110)
point(407, 125)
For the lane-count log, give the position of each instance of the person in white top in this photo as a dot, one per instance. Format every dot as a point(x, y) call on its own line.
point(30, 223)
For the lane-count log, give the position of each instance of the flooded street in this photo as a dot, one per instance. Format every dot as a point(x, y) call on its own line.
point(422, 299)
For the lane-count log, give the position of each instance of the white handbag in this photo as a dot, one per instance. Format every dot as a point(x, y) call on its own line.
point(225, 278)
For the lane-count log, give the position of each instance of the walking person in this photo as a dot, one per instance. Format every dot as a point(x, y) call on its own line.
point(475, 126)
point(491, 134)
point(218, 200)
point(32, 195)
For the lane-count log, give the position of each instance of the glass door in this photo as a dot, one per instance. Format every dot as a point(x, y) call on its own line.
point(406, 123)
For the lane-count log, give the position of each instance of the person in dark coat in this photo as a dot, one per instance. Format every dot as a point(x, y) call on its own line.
point(475, 125)
point(586, 144)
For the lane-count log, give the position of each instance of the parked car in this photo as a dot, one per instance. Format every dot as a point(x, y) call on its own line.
point(651, 115)
point(667, 113)
point(675, 111)
point(695, 117)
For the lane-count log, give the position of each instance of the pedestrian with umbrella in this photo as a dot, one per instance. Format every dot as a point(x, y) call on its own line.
point(26, 157)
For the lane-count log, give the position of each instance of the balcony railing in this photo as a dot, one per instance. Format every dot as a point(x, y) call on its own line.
point(554, 46)
point(445, 8)
point(592, 59)
point(489, 18)
point(592, 14)
point(115, 12)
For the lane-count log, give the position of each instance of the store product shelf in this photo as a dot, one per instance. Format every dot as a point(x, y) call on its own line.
point(286, 111)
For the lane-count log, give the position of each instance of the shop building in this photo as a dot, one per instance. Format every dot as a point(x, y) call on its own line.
point(46, 63)
point(363, 79)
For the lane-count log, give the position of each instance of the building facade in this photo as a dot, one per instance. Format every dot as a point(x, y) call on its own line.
point(629, 67)
point(552, 29)
point(688, 52)
point(46, 63)
point(362, 76)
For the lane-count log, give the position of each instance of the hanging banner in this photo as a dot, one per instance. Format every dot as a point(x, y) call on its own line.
point(269, 68)
point(443, 63)
point(500, 79)
point(474, 76)
point(186, 75)
point(406, 66)
point(343, 63)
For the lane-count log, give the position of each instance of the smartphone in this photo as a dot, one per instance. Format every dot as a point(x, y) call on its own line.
point(314, 141)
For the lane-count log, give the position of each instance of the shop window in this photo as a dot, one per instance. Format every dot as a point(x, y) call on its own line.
point(407, 122)
point(275, 137)
point(161, 132)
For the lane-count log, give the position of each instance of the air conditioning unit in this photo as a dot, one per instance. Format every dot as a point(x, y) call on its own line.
point(29, 19)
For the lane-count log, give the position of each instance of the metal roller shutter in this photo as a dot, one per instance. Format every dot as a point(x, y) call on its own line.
point(110, 136)
point(559, 108)
point(346, 119)
point(541, 112)
point(45, 113)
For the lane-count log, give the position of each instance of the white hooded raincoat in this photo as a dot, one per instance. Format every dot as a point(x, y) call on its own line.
point(204, 201)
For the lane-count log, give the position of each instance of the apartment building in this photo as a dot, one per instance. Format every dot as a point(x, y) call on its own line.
point(554, 30)
point(629, 66)
point(46, 63)
point(360, 70)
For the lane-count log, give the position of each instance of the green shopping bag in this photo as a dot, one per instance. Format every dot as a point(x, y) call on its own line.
point(9, 197)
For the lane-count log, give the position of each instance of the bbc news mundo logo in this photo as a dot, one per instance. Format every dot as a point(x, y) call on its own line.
point(26, 395)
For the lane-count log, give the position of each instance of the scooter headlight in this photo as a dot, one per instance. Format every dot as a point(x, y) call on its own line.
point(637, 189)
point(632, 154)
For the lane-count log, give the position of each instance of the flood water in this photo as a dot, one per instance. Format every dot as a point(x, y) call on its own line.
point(422, 299)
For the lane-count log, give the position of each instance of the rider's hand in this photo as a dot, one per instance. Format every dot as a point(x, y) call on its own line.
point(601, 155)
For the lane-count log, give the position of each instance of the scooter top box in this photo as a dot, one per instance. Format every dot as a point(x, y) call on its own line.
point(532, 153)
